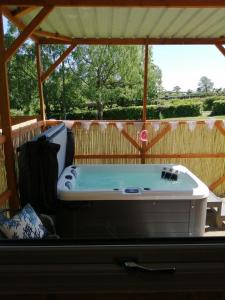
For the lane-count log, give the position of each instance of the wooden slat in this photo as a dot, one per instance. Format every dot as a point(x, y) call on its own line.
point(6, 122)
point(51, 69)
point(130, 139)
point(27, 32)
point(144, 116)
point(55, 36)
point(131, 41)
point(218, 182)
point(40, 85)
point(159, 136)
point(22, 11)
point(5, 197)
point(104, 156)
point(152, 156)
point(17, 22)
point(221, 48)
point(2, 139)
point(37, 34)
point(219, 126)
point(119, 3)
point(23, 130)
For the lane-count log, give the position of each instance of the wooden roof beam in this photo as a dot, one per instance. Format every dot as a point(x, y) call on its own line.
point(135, 41)
point(27, 31)
point(8, 14)
point(22, 11)
point(221, 48)
point(54, 36)
point(37, 34)
point(51, 69)
point(119, 3)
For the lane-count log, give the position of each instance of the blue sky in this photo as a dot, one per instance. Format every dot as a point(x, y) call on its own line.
point(185, 65)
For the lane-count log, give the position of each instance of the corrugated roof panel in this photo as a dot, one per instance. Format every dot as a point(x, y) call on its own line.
point(215, 27)
point(63, 23)
point(219, 30)
point(150, 22)
point(216, 17)
point(134, 22)
point(181, 21)
point(196, 18)
point(165, 22)
point(120, 22)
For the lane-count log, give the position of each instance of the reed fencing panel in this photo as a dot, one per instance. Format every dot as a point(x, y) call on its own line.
point(198, 145)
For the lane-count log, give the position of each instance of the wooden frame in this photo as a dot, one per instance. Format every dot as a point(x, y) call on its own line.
point(221, 48)
point(43, 37)
point(40, 85)
point(27, 32)
point(51, 69)
point(133, 41)
point(118, 3)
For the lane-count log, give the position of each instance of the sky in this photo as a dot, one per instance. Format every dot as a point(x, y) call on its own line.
point(183, 66)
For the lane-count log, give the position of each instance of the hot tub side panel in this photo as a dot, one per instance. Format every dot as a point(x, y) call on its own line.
point(131, 219)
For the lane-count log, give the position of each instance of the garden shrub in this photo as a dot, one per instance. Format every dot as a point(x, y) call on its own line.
point(170, 110)
point(218, 108)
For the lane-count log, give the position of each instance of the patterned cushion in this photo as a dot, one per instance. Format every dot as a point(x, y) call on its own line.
point(24, 225)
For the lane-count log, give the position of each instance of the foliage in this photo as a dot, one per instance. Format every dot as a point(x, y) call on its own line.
point(208, 102)
point(218, 108)
point(188, 109)
point(102, 75)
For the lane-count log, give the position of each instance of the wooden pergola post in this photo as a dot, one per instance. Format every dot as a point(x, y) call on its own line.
point(145, 96)
point(42, 76)
point(40, 84)
point(6, 122)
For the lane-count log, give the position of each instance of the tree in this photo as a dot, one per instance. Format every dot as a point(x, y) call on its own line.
point(177, 89)
point(104, 75)
point(111, 73)
point(205, 85)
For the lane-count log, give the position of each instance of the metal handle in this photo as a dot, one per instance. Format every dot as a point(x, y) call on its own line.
point(133, 266)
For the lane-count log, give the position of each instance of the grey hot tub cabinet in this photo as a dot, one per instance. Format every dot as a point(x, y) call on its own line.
point(131, 219)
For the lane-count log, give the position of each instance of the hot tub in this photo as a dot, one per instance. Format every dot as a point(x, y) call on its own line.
point(131, 201)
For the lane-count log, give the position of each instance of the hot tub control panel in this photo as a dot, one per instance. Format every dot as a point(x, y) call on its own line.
point(170, 174)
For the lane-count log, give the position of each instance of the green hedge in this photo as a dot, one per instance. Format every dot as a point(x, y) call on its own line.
point(208, 102)
point(154, 111)
point(218, 108)
point(180, 109)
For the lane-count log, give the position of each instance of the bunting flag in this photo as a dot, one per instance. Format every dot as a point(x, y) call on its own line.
point(119, 126)
point(191, 125)
point(156, 126)
point(210, 123)
point(103, 125)
point(86, 125)
point(173, 125)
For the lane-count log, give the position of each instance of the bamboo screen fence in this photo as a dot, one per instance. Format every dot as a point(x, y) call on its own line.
point(20, 136)
point(200, 146)
point(4, 193)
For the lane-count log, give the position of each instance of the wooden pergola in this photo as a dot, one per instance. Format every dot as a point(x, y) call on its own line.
point(98, 22)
